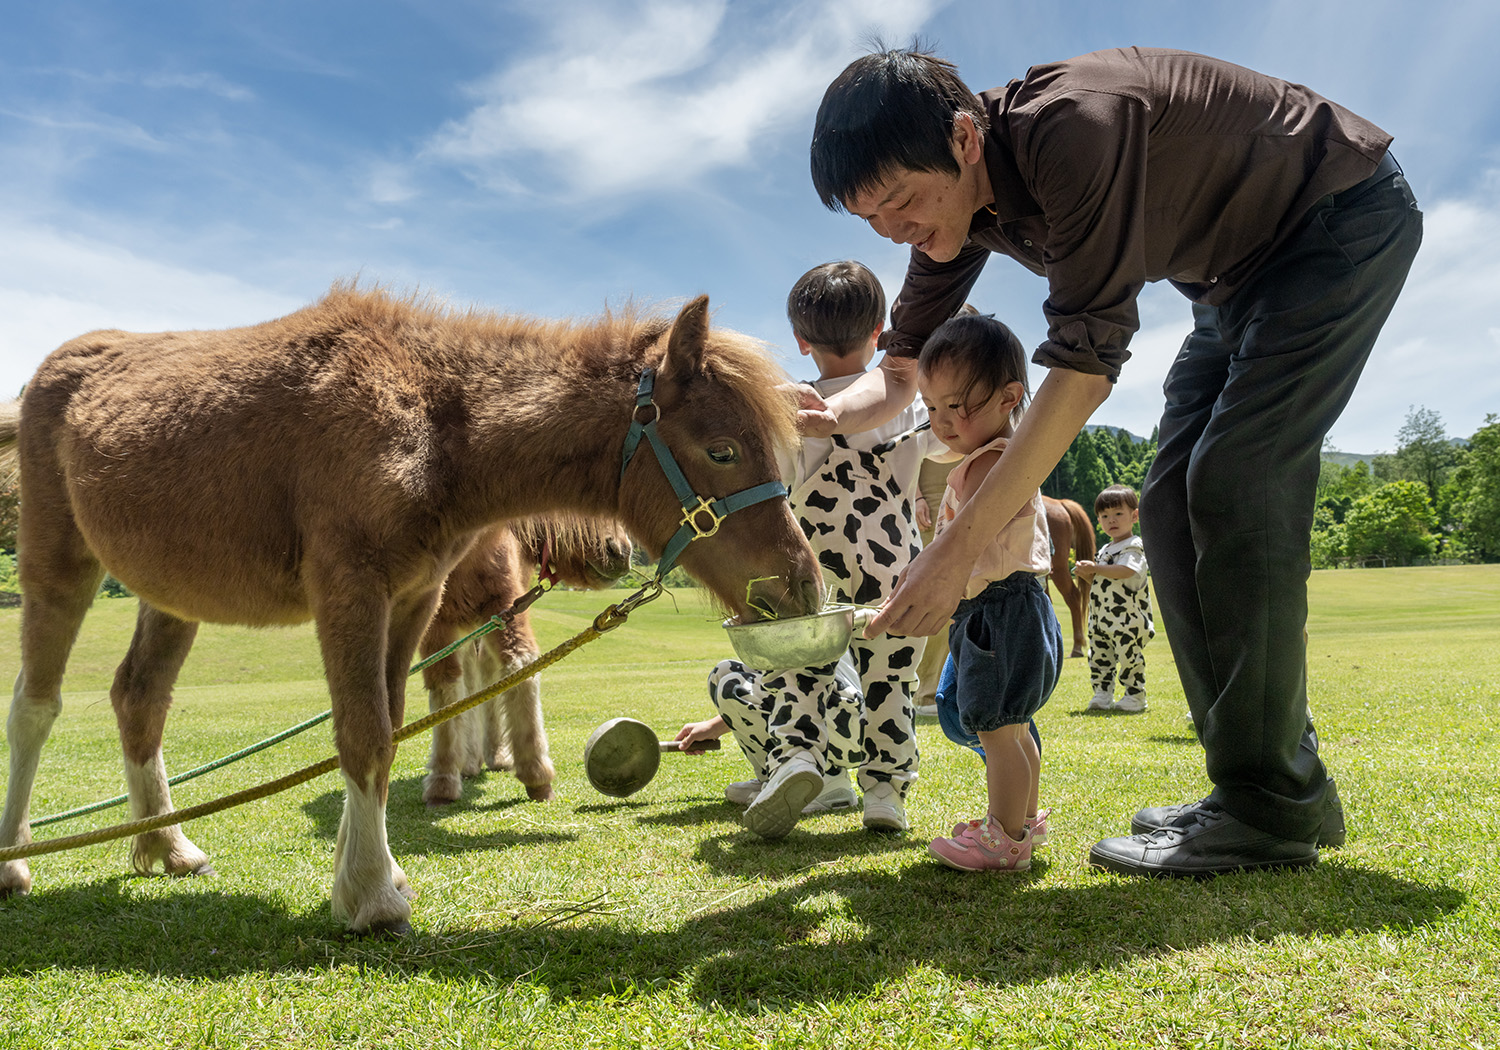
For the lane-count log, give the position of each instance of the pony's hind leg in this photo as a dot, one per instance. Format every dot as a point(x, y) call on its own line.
point(142, 695)
point(445, 757)
point(524, 730)
point(59, 577)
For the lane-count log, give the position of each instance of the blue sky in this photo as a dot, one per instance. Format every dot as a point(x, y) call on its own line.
point(191, 165)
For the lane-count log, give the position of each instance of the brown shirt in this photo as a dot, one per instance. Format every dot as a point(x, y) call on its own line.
point(1133, 165)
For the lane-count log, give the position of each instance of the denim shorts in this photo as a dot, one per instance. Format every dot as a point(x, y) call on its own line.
point(1007, 652)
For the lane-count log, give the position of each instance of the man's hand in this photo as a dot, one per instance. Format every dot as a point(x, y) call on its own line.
point(926, 594)
point(814, 417)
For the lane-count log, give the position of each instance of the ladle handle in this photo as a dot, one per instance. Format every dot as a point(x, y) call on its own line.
point(702, 745)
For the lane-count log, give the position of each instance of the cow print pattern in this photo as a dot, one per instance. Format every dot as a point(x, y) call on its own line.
point(1120, 622)
point(858, 517)
point(773, 716)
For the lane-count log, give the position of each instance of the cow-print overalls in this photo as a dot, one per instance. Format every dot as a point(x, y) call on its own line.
point(855, 506)
point(1120, 620)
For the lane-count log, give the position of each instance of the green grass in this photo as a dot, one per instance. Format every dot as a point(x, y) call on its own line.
point(657, 921)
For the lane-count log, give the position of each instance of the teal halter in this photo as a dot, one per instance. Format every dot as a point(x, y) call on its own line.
point(693, 505)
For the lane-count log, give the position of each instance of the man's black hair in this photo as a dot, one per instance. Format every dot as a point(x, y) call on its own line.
point(889, 110)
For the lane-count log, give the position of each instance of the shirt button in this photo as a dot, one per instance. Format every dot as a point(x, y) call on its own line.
point(1213, 280)
point(1027, 243)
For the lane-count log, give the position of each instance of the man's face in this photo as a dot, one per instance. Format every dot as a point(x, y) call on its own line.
point(930, 210)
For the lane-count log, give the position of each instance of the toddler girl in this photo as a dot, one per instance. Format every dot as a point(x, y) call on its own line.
point(1005, 641)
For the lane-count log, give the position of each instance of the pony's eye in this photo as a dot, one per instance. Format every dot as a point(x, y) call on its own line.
point(723, 454)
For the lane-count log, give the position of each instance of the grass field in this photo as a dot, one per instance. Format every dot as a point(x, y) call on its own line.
point(658, 921)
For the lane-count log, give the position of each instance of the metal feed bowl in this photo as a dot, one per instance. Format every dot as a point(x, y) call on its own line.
point(797, 641)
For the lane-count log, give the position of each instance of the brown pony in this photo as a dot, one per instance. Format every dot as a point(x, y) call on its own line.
point(506, 732)
point(335, 465)
point(1071, 530)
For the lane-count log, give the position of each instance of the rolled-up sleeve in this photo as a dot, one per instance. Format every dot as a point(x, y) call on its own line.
point(1086, 158)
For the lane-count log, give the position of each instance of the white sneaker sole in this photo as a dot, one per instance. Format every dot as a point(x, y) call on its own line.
point(776, 810)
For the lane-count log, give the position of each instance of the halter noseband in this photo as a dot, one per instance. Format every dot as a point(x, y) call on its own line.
point(693, 505)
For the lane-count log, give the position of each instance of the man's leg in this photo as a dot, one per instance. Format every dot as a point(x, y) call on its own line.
point(1230, 497)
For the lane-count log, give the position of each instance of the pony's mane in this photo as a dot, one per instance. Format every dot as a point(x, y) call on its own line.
point(617, 341)
point(565, 530)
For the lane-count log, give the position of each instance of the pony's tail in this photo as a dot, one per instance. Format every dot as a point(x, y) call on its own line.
point(1084, 548)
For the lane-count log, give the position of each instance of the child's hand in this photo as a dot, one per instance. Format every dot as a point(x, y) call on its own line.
point(690, 735)
point(1084, 570)
point(924, 514)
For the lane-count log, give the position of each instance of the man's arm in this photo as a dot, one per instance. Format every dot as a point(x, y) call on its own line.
point(871, 400)
point(930, 588)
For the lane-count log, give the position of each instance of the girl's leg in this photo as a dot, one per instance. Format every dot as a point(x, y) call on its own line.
point(1012, 776)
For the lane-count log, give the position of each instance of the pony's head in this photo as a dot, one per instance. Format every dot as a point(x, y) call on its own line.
point(723, 410)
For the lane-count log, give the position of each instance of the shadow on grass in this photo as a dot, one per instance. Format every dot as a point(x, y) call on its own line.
point(828, 935)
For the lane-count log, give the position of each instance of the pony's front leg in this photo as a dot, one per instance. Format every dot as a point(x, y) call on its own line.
point(142, 696)
point(353, 624)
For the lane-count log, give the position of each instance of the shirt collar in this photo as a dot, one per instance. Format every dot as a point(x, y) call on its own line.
point(1012, 202)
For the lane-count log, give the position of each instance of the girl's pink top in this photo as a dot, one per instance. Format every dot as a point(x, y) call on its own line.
point(1022, 545)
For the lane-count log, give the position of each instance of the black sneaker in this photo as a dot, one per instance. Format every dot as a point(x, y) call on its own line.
point(1208, 841)
point(1330, 836)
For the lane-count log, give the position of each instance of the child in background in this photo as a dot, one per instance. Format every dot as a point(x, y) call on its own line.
point(1119, 604)
point(853, 496)
point(1005, 640)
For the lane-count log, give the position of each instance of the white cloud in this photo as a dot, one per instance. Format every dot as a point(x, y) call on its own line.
point(54, 286)
point(658, 94)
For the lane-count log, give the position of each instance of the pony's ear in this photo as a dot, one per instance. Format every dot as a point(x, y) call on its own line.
point(689, 337)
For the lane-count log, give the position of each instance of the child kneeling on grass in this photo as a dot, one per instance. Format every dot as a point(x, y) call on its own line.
point(1005, 641)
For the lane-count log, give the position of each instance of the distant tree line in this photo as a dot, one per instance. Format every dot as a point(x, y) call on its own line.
point(1433, 499)
point(1095, 460)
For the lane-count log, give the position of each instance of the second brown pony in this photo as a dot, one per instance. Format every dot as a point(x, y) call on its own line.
point(335, 465)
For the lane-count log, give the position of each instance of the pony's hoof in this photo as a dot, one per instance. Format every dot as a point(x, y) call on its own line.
point(385, 931)
point(540, 792)
point(441, 788)
point(1077, 653)
point(203, 869)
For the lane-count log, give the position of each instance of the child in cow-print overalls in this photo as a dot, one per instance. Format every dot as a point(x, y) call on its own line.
point(1119, 604)
point(802, 728)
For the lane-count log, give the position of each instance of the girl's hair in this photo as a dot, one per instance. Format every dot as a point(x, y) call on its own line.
point(983, 354)
point(1116, 496)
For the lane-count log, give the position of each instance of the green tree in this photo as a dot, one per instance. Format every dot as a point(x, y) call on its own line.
point(1327, 539)
point(1423, 452)
point(1339, 487)
point(1394, 522)
point(1474, 493)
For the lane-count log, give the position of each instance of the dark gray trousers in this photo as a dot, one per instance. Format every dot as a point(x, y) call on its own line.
point(1227, 508)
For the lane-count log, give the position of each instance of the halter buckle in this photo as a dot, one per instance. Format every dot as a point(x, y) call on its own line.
point(690, 519)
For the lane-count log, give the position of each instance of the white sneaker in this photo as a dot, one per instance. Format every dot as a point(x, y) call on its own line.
point(743, 792)
point(836, 795)
point(884, 810)
point(778, 807)
point(1131, 703)
point(925, 710)
point(1102, 701)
